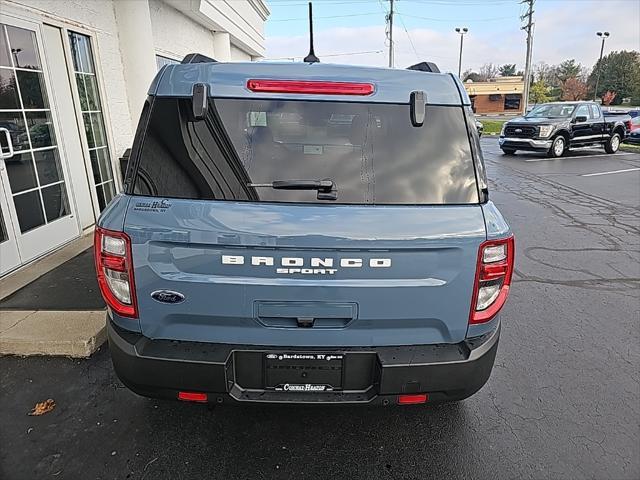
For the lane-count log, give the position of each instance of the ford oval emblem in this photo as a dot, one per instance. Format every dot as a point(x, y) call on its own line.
point(167, 296)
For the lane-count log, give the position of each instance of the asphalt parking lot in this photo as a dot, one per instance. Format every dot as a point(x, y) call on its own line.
point(563, 400)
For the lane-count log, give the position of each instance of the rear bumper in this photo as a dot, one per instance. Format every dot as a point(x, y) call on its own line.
point(525, 144)
point(234, 373)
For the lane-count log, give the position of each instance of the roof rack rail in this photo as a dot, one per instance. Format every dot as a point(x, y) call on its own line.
point(197, 58)
point(425, 67)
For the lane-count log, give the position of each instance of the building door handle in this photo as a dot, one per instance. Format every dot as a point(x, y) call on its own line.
point(7, 135)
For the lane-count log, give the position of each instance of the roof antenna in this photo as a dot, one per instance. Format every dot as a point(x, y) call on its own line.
point(311, 58)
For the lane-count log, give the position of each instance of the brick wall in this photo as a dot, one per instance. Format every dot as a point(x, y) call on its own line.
point(175, 34)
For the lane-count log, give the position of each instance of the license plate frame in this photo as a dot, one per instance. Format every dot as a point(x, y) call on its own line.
point(307, 372)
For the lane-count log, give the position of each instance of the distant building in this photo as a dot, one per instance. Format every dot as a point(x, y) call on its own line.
point(499, 95)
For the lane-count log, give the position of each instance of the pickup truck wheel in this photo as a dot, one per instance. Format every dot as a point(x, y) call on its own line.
point(613, 144)
point(558, 147)
point(508, 151)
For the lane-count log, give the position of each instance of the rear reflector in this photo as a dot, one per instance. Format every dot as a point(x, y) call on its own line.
point(412, 399)
point(192, 396)
point(310, 87)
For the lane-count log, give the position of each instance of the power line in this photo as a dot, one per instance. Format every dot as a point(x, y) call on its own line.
point(330, 55)
point(492, 19)
point(409, 37)
point(330, 16)
point(456, 2)
point(353, 2)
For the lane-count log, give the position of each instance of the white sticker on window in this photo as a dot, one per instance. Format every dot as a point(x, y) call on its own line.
point(257, 119)
point(313, 149)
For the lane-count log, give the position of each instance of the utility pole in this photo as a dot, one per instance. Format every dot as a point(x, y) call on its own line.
point(390, 20)
point(462, 31)
point(527, 68)
point(604, 35)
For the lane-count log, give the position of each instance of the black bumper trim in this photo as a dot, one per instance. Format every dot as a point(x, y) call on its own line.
point(161, 368)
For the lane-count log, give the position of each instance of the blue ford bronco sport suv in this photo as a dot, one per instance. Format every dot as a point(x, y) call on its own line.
point(304, 233)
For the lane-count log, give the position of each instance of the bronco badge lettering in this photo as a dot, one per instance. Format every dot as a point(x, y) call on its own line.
point(317, 266)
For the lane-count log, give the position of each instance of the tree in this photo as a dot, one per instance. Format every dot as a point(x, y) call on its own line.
point(487, 72)
point(568, 69)
point(574, 89)
point(507, 70)
point(470, 75)
point(539, 92)
point(620, 74)
point(608, 97)
point(545, 72)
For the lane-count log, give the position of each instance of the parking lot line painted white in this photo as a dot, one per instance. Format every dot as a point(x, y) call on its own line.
point(611, 172)
point(578, 156)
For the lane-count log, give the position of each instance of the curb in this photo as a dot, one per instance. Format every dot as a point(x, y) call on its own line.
point(74, 334)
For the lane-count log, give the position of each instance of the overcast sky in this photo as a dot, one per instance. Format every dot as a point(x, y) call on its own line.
point(563, 29)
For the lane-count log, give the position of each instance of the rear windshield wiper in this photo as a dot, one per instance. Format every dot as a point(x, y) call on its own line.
point(326, 188)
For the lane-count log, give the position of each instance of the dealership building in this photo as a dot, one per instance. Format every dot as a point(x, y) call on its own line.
point(73, 79)
point(501, 95)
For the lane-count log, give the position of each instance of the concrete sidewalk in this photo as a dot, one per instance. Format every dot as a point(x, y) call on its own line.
point(49, 332)
point(71, 334)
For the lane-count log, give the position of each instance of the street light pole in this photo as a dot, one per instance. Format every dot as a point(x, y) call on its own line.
point(604, 36)
point(462, 31)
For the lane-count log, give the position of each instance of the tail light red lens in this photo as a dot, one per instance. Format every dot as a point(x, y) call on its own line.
point(114, 269)
point(493, 279)
point(310, 87)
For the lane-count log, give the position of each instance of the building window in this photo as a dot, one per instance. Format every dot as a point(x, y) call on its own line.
point(162, 61)
point(512, 102)
point(495, 97)
point(92, 117)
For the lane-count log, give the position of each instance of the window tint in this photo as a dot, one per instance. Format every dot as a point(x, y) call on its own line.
point(583, 111)
point(512, 102)
point(371, 152)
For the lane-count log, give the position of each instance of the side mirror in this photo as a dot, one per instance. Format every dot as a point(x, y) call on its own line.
point(581, 119)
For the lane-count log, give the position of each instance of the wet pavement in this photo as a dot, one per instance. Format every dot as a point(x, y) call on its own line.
point(563, 400)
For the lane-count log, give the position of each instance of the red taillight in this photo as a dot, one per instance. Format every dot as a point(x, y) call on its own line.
point(493, 279)
point(192, 396)
point(310, 87)
point(412, 399)
point(114, 269)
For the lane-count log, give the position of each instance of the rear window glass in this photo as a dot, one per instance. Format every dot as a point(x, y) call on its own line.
point(370, 152)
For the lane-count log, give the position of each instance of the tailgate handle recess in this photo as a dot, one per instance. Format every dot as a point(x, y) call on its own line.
point(305, 322)
point(301, 314)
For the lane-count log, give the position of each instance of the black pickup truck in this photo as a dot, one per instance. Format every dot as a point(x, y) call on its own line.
point(555, 127)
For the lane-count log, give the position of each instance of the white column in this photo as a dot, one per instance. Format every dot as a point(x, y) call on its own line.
point(138, 54)
point(221, 47)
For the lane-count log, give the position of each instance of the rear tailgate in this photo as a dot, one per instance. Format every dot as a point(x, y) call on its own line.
point(382, 275)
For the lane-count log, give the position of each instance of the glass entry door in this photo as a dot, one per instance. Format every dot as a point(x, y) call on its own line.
point(9, 255)
point(32, 163)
